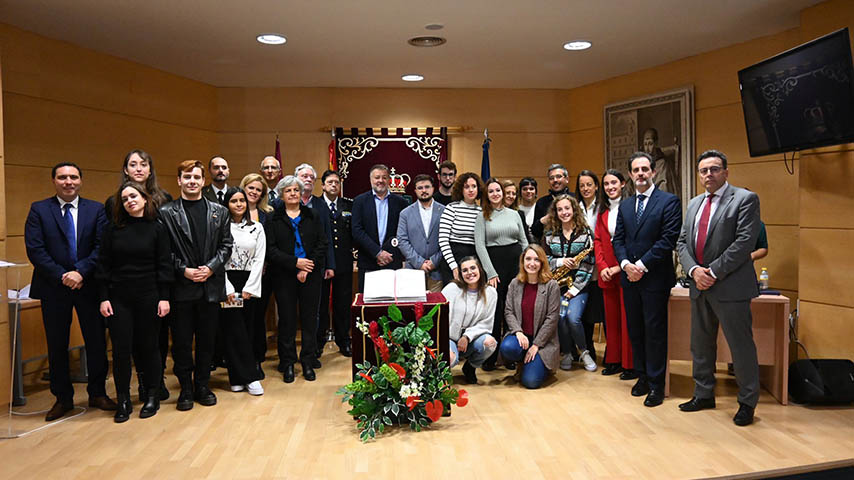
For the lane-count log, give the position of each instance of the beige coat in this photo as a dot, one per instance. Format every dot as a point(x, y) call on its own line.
point(546, 310)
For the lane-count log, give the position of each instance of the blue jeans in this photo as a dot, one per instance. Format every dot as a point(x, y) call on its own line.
point(476, 352)
point(569, 327)
point(533, 372)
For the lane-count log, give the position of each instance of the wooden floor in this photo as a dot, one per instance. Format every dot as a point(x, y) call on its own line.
point(581, 425)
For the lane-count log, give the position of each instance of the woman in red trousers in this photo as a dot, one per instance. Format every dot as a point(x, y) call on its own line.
point(618, 354)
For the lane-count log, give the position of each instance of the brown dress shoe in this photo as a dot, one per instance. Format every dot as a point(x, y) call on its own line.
point(58, 410)
point(103, 403)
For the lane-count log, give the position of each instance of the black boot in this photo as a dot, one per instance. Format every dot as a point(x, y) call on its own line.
point(152, 405)
point(469, 372)
point(164, 392)
point(185, 398)
point(143, 392)
point(124, 408)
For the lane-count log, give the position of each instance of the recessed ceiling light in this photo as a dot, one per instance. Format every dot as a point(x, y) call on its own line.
point(426, 41)
point(271, 39)
point(577, 45)
point(434, 26)
point(412, 77)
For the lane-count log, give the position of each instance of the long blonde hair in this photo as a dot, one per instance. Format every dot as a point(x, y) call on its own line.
point(262, 203)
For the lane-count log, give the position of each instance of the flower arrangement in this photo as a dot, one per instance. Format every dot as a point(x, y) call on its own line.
point(410, 383)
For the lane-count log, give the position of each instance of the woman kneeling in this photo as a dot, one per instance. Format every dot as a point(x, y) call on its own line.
point(472, 313)
point(533, 302)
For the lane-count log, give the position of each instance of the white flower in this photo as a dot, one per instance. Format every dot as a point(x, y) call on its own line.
point(363, 327)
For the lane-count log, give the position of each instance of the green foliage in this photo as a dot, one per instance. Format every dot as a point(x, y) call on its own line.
point(378, 403)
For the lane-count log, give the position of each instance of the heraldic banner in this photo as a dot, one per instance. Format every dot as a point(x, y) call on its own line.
point(406, 152)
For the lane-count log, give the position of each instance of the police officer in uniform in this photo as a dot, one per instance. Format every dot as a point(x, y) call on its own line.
point(340, 210)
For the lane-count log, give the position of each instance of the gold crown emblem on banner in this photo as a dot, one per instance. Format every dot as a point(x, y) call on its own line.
point(397, 182)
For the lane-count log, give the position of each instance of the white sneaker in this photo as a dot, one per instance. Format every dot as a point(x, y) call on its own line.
point(255, 388)
point(589, 363)
point(566, 362)
point(237, 388)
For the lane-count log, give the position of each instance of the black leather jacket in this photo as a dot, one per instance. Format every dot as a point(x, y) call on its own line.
point(213, 252)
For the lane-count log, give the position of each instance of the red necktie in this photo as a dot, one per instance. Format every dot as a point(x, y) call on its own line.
point(703, 228)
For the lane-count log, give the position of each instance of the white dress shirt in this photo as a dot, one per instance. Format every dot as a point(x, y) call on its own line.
point(73, 209)
point(426, 216)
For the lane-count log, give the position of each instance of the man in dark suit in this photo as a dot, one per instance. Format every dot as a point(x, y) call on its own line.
point(558, 185)
point(200, 232)
point(719, 234)
point(648, 225)
point(218, 169)
point(271, 170)
point(341, 284)
point(62, 236)
point(375, 217)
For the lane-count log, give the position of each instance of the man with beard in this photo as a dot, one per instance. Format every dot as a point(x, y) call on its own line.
point(341, 284)
point(218, 168)
point(418, 233)
point(558, 185)
point(447, 176)
point(648, 225)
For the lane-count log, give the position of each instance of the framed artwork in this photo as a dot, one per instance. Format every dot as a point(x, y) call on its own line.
point(661, 125)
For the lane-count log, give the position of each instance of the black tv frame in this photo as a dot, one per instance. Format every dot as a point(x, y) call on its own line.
point(804, 146)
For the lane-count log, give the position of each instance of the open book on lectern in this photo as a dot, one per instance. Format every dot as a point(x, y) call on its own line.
point(404, 285)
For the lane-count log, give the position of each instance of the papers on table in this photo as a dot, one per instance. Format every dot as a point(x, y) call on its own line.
point(387, 286)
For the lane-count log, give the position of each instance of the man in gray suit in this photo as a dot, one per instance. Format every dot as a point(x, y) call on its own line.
point(418, 233)
point(720, 231)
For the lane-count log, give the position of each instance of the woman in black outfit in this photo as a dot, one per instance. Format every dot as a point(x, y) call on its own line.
point(138, 167)
point(243, 283)
point(135, 270)
point(296, 256)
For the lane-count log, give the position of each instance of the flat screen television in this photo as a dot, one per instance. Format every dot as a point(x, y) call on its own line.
point(802, 98)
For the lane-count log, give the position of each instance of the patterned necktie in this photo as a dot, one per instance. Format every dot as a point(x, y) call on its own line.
point(70, 233)
point(220, 196)
point(272, 196)
point(703, 228)
point(641, 199)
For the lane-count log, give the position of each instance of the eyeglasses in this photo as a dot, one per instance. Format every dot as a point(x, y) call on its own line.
point(713, 170)
point(557, 177)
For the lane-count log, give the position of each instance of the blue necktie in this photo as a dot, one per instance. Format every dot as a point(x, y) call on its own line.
point(641, 199)
point(332, 210)
point(70, 233)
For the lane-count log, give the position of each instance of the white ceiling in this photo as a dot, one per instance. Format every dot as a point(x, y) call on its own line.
point(362, 43)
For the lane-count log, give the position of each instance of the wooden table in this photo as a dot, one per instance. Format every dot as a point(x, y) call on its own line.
point(770, 332)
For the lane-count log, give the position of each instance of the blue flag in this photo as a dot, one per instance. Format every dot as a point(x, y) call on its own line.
point(484, 164)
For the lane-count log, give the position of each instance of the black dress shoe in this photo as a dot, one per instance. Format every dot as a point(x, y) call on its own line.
point(468, 371)
point(510, 365)
point(204, 396)
point(103, 403)
point(123, 409)
point(488, 366)
point(315, 363)
point(288, 371)
point(185, 399)
point(346, 351)
point(655, 398)
point(697, 404)
point(58, 410)
point(628, 375)
point(143, 392)
point(152, 405)
point(612, 369)
point(164, 392)
point(281, 368)
point(308, 372)
point(744, 415)
point(641, 388)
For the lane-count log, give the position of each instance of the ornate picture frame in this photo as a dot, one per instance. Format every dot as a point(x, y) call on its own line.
point(661, 124)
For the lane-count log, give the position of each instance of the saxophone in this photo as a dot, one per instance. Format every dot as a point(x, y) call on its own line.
point(562, 274)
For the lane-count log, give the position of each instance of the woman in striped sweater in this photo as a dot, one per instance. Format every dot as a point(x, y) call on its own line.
point(567, 235)
point(456, 226)
point(499, 238)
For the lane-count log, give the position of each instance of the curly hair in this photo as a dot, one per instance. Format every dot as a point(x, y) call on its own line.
point(579, 219)
point(457, 189)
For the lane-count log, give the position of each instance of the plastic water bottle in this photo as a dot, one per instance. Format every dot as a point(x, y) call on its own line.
point(564, 306)
point(763, 279)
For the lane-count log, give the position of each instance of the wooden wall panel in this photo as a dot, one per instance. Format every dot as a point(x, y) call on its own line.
point(826, 330)
point(827, 189)
point(777, 190)
point(782, 259)
point(830, 258)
